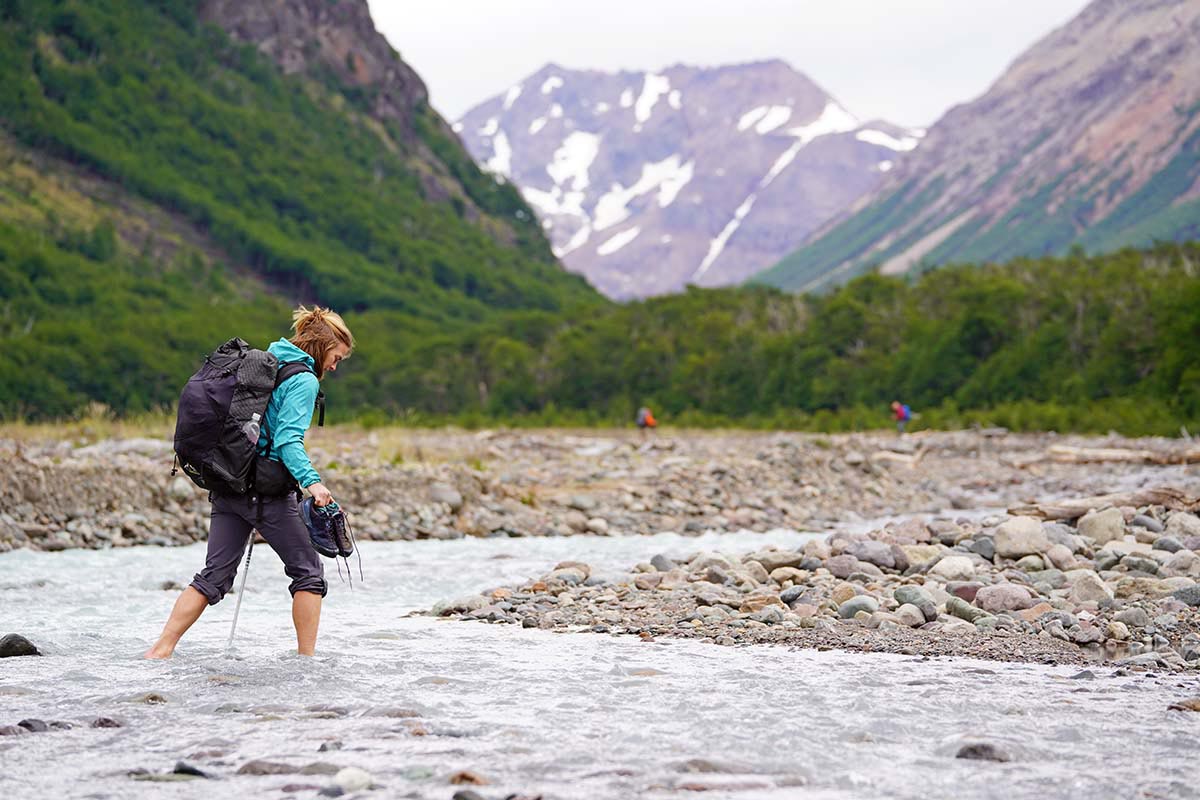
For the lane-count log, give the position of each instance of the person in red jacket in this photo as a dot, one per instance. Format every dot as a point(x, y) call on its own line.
point(901, 414)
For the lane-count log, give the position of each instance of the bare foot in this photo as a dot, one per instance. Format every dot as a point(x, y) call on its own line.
point(159, 651)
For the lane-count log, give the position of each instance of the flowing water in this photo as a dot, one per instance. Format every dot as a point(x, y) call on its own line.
point(413, 700)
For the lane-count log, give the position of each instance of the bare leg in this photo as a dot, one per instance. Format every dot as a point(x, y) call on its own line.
point(306, 616)
point(187, 610)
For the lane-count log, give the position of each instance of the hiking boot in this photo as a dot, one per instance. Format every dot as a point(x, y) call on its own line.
point(326, 529)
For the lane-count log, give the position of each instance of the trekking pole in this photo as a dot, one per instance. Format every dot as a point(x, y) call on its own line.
point(241, 591)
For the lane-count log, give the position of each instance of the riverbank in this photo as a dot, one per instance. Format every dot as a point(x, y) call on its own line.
point(442, 484)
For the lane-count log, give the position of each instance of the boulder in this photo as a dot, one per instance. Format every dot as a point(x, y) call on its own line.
point(1088, 588)
point(954, 568)
point(873, 552)
point(861, 602)
point(1020, 536)
point(14, 644)
point(1003, 597)
point(1103, 526)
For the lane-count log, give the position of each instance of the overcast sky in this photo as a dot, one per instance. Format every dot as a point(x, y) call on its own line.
point(906, 61)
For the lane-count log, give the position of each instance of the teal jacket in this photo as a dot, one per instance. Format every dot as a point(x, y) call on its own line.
point(289, 414)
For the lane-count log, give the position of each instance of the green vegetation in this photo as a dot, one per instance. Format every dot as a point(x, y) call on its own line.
point(1073, 343)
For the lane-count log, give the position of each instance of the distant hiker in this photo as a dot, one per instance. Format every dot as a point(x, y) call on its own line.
point(645, 421)
point(901, 414)
point(270, 503)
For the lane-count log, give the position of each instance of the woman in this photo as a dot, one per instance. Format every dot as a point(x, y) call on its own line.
point(321, 341)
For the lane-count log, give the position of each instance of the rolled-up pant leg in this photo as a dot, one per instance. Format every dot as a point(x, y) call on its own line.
point(283, 529)
point(228, 535)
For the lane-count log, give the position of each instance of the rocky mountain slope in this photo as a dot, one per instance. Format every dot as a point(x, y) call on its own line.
point(169, 167)
point(1091, 137)
point(646, 182)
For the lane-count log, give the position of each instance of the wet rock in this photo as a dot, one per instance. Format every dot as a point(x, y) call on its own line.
point(13, 730)
point(184, 768)
point(467, 794)
point(1190, 704)
point(1003, 597)
point(468, 777)
point(106, 722)
point(352, 779)
point(1103, 526)
point(34, 725)
point(1020, 536)
point(263, 767)
point(14, 644)
point(983, 751)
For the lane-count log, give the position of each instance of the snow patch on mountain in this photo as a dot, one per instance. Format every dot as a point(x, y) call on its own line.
point(617, 242)
point(511, 97)
point(668, 176)
point(882, 139)
point(653, 87)
point(833, 119)
point(501, 160)
point(551, 83)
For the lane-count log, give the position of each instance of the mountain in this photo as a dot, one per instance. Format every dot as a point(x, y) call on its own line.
point(646, 182)
point(1091, 137)
point(173, 172)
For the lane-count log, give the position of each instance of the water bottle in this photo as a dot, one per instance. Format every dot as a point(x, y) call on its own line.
point(251, 429)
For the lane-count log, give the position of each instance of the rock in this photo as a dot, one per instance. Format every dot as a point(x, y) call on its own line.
point(352, 779)
point(1118, 630)
point(1020, 536)
point(1033, 612)
point(1061, 556)
point(467, 794)
point(920, 553)
point(983, 751)
point(662, 563)
point(919, 598)
point(14, 644)
point(1182, 562)
point(13, 730)
point(1030, 563)
point(1135, 617)
point(913, 617)
point(34, 725)
point(181, 490)
point(954, 568)
point(774, 559)
point(263, 767)
point(598, 525)
point(769, 615)
point(861, 602)
point(964, 589)
point(1190, 704)
point(960, 608)
point(184, 768)
point(1149, 523)
point(1140, 564)
point(1088, 588)
point(106, 722)
point(1181, 525)
point(445, 493)
point(1189, 595)
point(465, 776)
point(872, 552)
point(1003, 597)
point(459, 606)
point(1103, 526)
point(1168, 543)
point(985, 547)
point(842, 566)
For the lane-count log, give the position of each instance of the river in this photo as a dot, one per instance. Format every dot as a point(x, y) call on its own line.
point(413, 700)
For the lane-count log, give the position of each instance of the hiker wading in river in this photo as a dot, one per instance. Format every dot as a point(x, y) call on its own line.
point(320, 342)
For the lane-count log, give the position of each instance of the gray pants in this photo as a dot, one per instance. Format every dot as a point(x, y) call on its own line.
point(233, 517)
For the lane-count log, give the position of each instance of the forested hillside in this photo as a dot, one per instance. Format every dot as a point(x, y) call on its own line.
point(163, 187)
point(1084, 343)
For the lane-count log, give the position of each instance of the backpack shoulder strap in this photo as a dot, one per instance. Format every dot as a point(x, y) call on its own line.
point(290, 369)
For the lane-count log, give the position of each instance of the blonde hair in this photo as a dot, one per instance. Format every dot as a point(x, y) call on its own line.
point(318, 331)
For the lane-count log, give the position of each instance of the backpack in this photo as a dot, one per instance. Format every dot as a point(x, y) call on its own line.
point(234, 383)
point(905, 414)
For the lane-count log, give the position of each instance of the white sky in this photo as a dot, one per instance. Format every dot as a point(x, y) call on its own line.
point(906, 61)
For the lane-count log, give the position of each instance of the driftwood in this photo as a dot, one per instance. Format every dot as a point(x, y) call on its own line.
point(1094, 455)
point(1166, 496)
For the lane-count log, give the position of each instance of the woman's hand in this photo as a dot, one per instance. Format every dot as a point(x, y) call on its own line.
point(320, 495)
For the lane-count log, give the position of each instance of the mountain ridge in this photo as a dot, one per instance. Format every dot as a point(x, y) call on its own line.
point(1089, 137)
point(648, 181)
